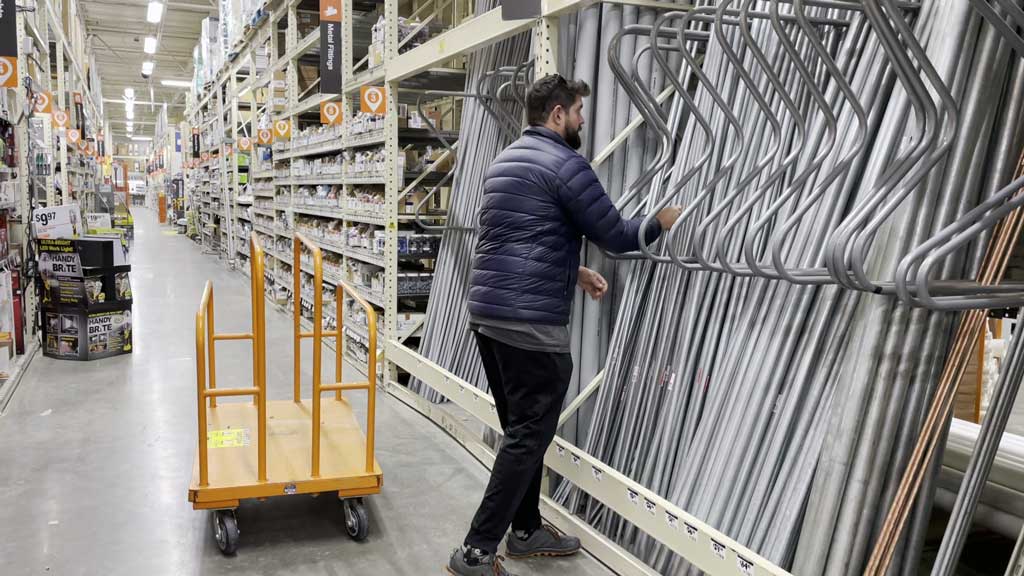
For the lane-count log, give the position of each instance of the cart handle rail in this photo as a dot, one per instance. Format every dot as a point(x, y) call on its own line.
point(318, 334)
point(206, 340)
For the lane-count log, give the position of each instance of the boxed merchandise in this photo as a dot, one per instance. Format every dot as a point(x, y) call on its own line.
point(306, 22)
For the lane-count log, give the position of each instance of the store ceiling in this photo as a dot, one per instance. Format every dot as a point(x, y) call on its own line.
point(118, 29)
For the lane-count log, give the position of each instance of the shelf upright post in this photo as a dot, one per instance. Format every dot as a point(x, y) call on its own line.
point(226, 184)
point(394, 183)
point(347, 190)
point(60, 102)
point(25, 205)
point(545, 46)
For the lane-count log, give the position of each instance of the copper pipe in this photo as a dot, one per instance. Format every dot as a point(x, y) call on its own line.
point(993, 268)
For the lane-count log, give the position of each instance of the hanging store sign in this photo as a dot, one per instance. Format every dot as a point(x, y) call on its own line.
point(195, 142)
point(372, 100)
point(245, 144)
point(330, 114)
point(101, 148)
point(60, 119)
point(282, 130)
point(8, 45)
point(74, 136)
point(43, 103)
point(264, 137)
point(520, 9)
point(79, 110)
point(330, 47)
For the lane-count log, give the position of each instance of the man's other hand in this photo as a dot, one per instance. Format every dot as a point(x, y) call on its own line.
point(668, 216)
point(592, 283)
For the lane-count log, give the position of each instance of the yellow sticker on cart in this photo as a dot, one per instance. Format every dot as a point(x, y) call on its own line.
point(229, 438)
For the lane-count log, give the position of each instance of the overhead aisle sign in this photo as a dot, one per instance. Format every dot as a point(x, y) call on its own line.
point(330, 113)
point(8, 45)
point(372, 100)
point(282, 130)
point(330, 47)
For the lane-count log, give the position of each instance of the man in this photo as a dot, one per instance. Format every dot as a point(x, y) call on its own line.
point(540, 199)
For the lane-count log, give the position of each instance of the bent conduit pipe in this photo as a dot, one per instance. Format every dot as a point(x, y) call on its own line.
point(950, 128)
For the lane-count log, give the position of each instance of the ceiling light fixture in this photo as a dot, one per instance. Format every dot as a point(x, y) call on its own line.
point(129, 93)
point(176, 83)
point(147, 67)
point(129, 113)
point(149, 45)
point(142, 138)
point(155, 12)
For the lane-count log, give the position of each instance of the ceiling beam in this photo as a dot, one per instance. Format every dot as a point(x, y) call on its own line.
point(182, 6)
point(147, 103)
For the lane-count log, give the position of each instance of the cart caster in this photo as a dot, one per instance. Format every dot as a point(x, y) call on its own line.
point(225, 531)
point(357, 524)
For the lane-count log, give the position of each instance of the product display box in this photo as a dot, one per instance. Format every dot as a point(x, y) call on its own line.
point(87, 298)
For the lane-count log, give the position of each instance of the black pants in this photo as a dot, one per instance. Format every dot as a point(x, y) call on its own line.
point(528, 388)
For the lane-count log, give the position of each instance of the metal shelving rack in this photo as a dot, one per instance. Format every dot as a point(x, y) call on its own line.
point(241, 81)
point(419, 68)
point(60, 56)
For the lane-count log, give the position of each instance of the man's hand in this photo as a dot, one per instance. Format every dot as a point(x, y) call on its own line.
point(668, 216)
point(592, 283)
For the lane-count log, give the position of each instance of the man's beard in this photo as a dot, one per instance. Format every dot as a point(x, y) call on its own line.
point(572, 138)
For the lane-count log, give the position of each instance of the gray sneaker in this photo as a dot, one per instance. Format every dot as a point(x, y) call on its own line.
point(489, 565)
point(545, 541)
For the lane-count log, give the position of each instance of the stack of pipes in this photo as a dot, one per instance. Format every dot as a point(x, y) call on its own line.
point(784, 414)
point(446, 338)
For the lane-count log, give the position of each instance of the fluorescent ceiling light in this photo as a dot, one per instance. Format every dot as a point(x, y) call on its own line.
point(149, 45)
point(147, 67)
point(142, 138)
point(129, 113)
point(129, 93)
point(176, 83)
point(155, 12)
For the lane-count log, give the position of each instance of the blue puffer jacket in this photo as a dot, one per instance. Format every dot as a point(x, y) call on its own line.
point(540, 199)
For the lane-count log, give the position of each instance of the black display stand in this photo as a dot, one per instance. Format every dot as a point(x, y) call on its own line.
point(87, 298)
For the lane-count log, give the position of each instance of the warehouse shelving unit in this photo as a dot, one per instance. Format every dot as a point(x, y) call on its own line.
point(278, 201)
point(55, 61)
point(269, 82)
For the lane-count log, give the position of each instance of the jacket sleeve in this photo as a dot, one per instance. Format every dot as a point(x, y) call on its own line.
point(593, 213)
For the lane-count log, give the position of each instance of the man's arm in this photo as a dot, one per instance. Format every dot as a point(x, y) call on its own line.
point(594, 214)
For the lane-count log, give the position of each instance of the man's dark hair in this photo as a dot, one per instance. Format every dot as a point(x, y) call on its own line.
point(550, 91)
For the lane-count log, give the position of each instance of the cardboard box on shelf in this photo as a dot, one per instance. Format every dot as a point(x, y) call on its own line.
point(306, 22)
point(308, 74)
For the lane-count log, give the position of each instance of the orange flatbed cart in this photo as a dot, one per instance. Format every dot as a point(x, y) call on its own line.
point(269, 448)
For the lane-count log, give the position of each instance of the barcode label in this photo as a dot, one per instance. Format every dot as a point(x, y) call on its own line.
point(718, 549)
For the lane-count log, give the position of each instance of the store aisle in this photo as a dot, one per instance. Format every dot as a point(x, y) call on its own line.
point(96, 458)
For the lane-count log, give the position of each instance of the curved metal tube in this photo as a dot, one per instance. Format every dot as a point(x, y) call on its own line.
point(950, 127)
point(840, 259)
point(776, 242)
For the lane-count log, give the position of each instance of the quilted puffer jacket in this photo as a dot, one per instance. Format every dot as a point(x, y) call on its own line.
point(540, 199)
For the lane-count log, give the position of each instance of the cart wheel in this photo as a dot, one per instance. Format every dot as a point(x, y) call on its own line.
point(356, 522)
point(225, 531)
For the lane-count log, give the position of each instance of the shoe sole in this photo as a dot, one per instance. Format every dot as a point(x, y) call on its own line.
point(541, 554)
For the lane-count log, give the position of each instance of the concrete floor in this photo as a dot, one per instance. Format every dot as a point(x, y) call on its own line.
point(96, 458)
